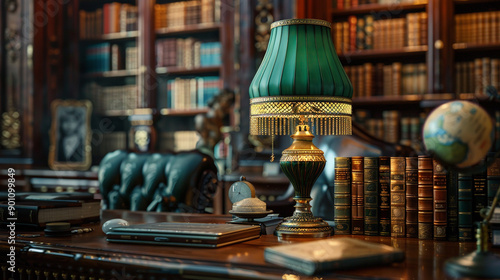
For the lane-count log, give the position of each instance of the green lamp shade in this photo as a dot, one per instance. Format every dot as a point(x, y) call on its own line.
point(300, 76)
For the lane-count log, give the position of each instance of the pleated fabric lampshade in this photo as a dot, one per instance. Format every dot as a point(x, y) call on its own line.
point(300, 76)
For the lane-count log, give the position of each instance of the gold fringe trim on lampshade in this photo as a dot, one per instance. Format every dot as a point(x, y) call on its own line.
point(278, 115)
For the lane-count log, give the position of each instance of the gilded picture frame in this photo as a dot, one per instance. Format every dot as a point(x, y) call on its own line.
point(70, 135)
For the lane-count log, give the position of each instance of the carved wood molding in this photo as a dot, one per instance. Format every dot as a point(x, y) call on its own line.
point(10, 137)
point(263, 19)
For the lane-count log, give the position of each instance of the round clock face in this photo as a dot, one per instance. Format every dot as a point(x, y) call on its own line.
point(240, 190)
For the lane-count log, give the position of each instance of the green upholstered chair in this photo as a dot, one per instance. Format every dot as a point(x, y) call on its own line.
point(174, 182)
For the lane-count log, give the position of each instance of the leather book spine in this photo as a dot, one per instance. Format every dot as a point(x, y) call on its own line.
point(342, 195)
point(398, 197)
point(411, 179)
point(352, 32)
point(465, 207)
point(385, 196)
point(423, 32)
point(340, 4)
point(492, 180)
point(26, 215)
point(371, 193)
point(360, 33)
point(452, 200)
point(396, 78)
point(425, 198)
point(338, 37)
point(479, 197)
point(357, 187)
point(345, 37)
point(369, 20)
point(439, 179)
point(412, 35)
point(368, 70)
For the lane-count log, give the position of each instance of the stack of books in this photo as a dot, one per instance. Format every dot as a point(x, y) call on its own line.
point(480, 27)
point(192, 93)
point(367, 33)
point(410, 197)
point(347, 4)
point(185, 13)
point(394, 79)
point(37, 209)
point(477, 75)
point(111, 18)
point(103, 57)
point(187, 53)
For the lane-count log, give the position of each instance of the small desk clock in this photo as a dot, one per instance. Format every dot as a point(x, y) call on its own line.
point(250, 210)
point(240, 190)
point(245, 204)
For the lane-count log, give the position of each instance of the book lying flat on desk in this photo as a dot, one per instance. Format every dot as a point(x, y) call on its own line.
point(37, 213)
point(332, 254)
point(184, 234)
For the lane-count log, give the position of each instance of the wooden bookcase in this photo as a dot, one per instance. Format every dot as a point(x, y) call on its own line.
point(176, 46)
point(397, 116)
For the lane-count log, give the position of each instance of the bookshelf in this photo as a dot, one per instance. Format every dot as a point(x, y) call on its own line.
point(168, 61)
point(428, 51)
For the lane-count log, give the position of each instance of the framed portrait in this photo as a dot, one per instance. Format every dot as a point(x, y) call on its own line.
point(70, 135)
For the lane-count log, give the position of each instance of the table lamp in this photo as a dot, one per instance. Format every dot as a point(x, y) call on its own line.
point(301, 88)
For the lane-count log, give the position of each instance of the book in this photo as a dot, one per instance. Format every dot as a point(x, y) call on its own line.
point(38, 212)
point(411, 181)
point(479, 194)
point(22, 196)
point(360, 33)
point(357, 196)
point(313, 257)
point(385, 199)
point(452, 201)
point(398, 197)
point(465, 207)
point(369, 19)
point(492, 179)
point(342, 195)
point(207, 235)
point(371, 193)
point(352, 32)
point(425, 198)
point(439, 179)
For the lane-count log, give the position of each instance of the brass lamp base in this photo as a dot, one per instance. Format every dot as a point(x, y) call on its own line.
point(302, 163)
point(303, 224)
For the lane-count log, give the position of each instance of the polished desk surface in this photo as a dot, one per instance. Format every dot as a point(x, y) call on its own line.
point(89, 253)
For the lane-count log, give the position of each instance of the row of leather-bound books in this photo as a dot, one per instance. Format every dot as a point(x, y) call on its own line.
point(410, 197)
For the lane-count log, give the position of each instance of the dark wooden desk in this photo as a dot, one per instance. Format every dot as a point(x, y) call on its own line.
point(88, 256)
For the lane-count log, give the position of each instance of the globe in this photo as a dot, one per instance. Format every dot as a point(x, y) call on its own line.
point(459, 133)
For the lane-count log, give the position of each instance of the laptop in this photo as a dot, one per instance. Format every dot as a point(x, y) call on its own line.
point(184, 234)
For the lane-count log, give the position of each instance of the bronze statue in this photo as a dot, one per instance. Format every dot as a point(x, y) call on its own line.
point(209, 125)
